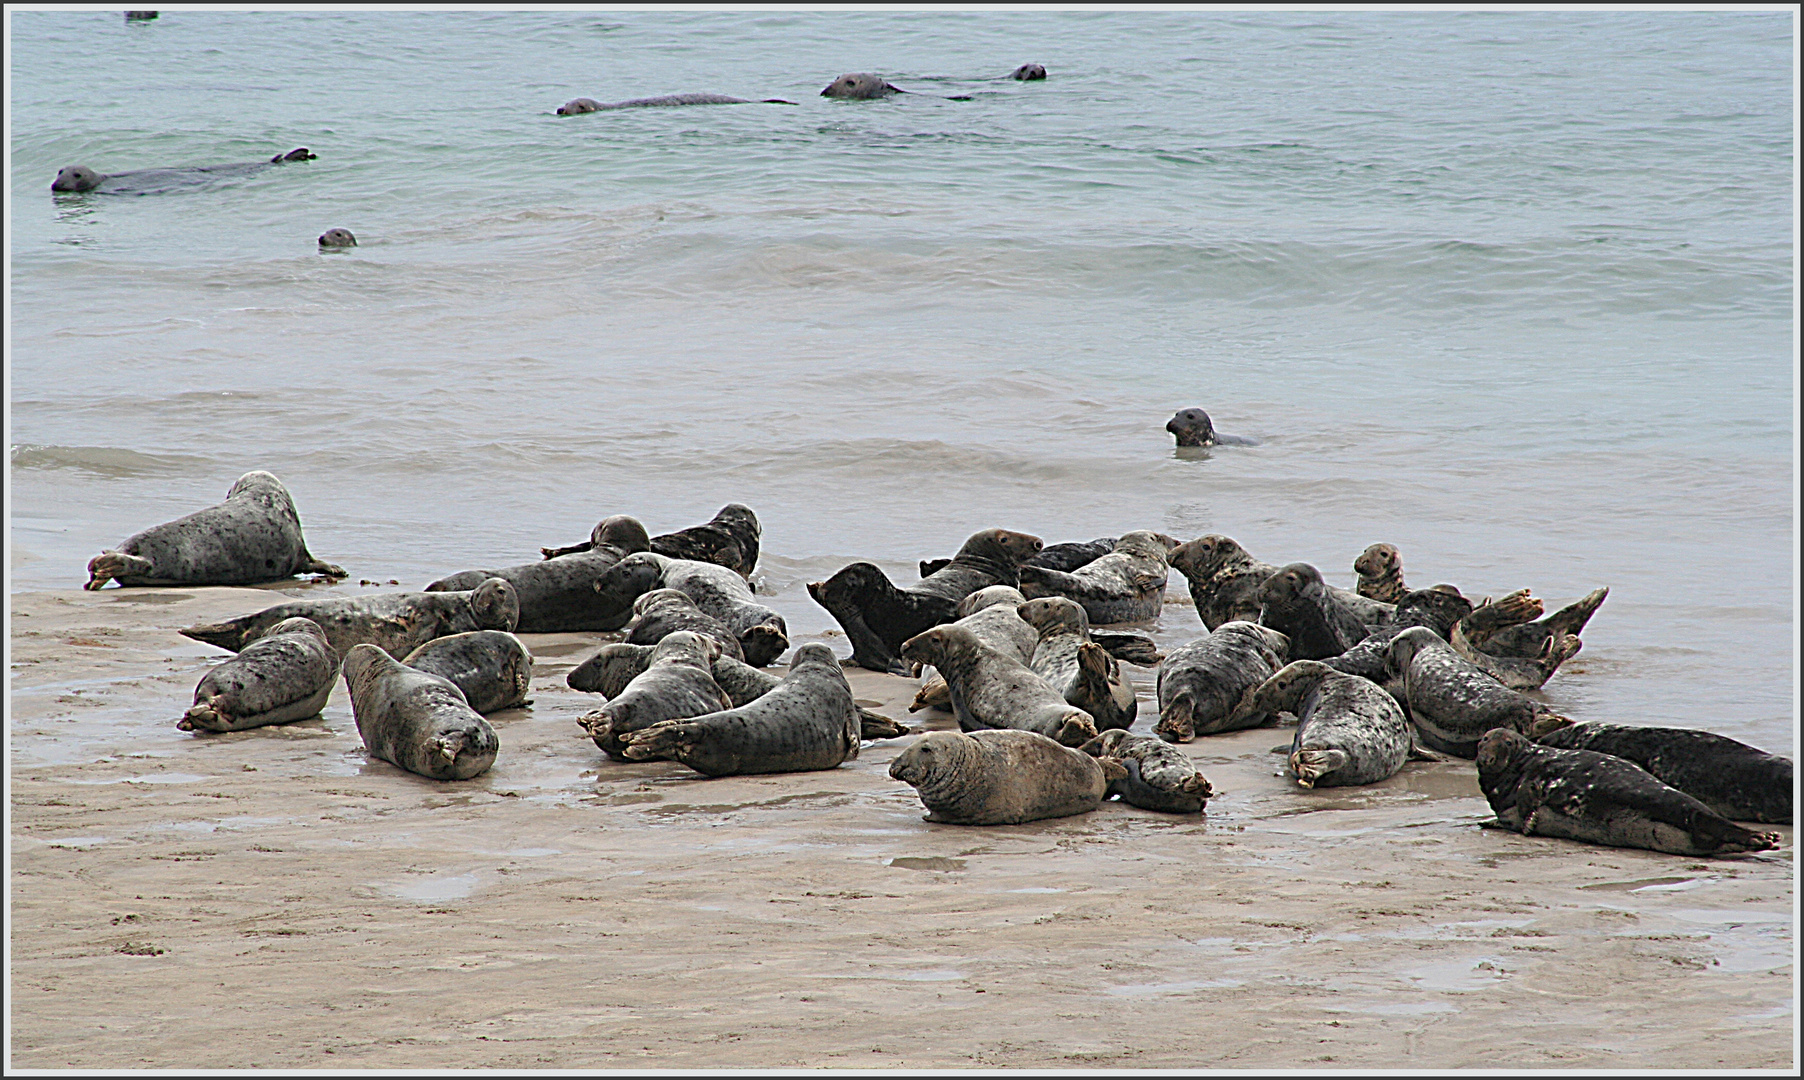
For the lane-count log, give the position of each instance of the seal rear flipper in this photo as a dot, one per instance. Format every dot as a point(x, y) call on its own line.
point(1133, 648)
point(1310, 766)
point(1420, 753)
point(762, 644)
point(874, 726)
point(668, 739)
point(232, 635)
point(115, 564)
point(319, 566)
point(1176, 720)
point(573, 549)
point(1572, 618)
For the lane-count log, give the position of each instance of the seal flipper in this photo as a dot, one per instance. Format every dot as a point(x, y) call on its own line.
point(232, 635)
point(1134, 648)
point(1572, 618)
point(115, 564)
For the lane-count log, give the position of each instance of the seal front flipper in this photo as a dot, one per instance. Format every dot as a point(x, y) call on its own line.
point(108, 565)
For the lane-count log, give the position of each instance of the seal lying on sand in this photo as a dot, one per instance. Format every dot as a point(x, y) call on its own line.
point(1380, 570)
point(1296, 602)
point(1349, 731)
point(1201, 684)
point(662, 612)
point(1126, 585)
point(582, 105)
point(990, 615)
point(718, 592)
point(1066, 557)
point(1159, 775)
point(860, 86)
point(1600, 799)
point(1002, 777)
point(1075, 666)
point(1438, 608)
point(806, 722)
point(397, 622)
point(1730, 777)
point(677, 684)
point(1453, 703)
point(878, 617)
point(558, 595)
point(283, 676)
point(1194, 428)
point(77, 178)
point(990, 690)
point(255, 535)
point(416, 721)
point(489, 667)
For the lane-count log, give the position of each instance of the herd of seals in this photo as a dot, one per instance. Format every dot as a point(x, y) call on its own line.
point(1002, 636)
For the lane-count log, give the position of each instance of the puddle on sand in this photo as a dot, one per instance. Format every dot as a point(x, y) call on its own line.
point(1454, 975)
point(434, 888)
point(935, 863)
point(1145, 989)
point(134, 597)
point(1401, 1008)
point(77, 841)
point(150, 778)
point(1644, 883)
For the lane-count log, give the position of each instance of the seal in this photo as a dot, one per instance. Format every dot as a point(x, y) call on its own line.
point(489, 667)
point(416, 721)
point(1075, 666)
point(730, 540)
point(146, 16)
point(79, 178)
point(582, 105)
point(337, 238)
point(397, 622)
point(1126, 585)
point(1599, 799)
point(1028, 73)
point(860, 86)
point(661, 612)
point(1159, 776)
point(558, 595)
point(283, 676)
point(1380, 570)
point(1439, 609)
point(1296, 602)
point(1194, 428)
point(990, 615)
point(720, 593)
point(1066, 557)
point(878, 617)
point(1201, 684)
point(1515, 672)
point(1224, 580)
point(1522, 638)
point(1453, 703)
point(1730, 777)
point(1002, 777)
point(1349, 731)
point(806, 722)
point(254, 536)
point(990, 690)
point(676, 685)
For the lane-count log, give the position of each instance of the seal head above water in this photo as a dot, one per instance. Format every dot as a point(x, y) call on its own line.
point(1028, 73)
point(860, 86)
point(337, 238)
point(1194, 428)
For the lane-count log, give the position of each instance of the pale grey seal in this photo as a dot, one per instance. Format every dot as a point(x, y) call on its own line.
point(1159, 776)
point(1730, 777)
point(578, 106)
point(661, 612)
point(1201, 684)
point(489, 667)
point(414, 720)
point(398, 622)
point(283, 676)
point(1126, 585)
point(860, 86)
point(1224, 580)
point(1349, 731)
point(1453, 703)
point(1002, 777)
point(989, 614)
point(677, 684)
point(558, 595)
point(1075, 666)
point(79, 178)
point(990, 690)
point(1194, 428)
point(717, 591)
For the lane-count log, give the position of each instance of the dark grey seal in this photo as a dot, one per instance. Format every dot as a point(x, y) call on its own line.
point(807, 722)
point(397, 622)
point(1730, 777)
point(1077, 667)
point(1126, 585)
point(730, 540)
point(1349, 731)
point(676, 685)
point(860, 86)
point(143, 16)
point(1066, 557)
point(1296, 602)
point(1194, 428)
point(255, 535)
point(1600, 799)
point(489, 667)
point(1028, 73)
point(1453, 703)
point(1002, 777)
point(1529, 639)
point(1201, 684)
point(662, 612)
point(283, 676)
point(1159, 776)
point(414, 720)
point(719, 592)
point(79, 178)
point(558, 595)
point(337, 238)
point(1485, 623)
point(1439, 609)
point(990, 690)
point(582, 105)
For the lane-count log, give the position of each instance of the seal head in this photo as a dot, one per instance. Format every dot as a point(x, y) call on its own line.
point(337, 238)
point(860, 86)
point(76, 178)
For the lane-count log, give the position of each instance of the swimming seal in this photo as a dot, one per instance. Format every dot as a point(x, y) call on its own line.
point(990, 615)
point(1600, 799)
point(1066, 557)
point(397, 622)
point(1126, 585)
point(1201, 684)
point(1296, 602)
point(1075, 666)
point(990, 690)
point(1194, 428)
point(141, 16)
point(285, 675)
point(1380, 570)
point(558, 595)
point(860, 86)
point(255, 535)
point(661, 612)
point(676, 685)
point(1028, 73)
point(807, 722)
point(337, 238)
point(1002, 777)
point(1453, 703)
point(719, 592)
point(1730, 777)
point(80, 178)
point(416, 721)
point(582, 105)
point(878, 617)
point(489, 667)
point(1159, 776)
point(1349, 731)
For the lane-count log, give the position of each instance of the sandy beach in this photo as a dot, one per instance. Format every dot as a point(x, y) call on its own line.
point(273, 898)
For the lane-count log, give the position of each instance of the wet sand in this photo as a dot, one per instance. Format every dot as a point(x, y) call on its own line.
point(273, 898)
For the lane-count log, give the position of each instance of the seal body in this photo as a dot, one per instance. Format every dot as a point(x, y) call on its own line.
point(1528, 639)
point(558, 595)
point(1194, 428)
point(489, 667)
point(578, 106)
point(1349, 731)
point(1126, 585)
point(806, 722)
point(79, 178)
point(337, 238)
point(990, 690)
point(990, 615)
point(1438, 609)
point(285, 675)
point(1295, 602)
point(730, 540)
point(1201, 684)
point(1066, 557)
point(397, 622)
point(1159, 775)
point(1224, 580)
point(1600, 799)
point(1453, 703)
point(676, 685)
point(1380, 570)
point(859, 86)
point(414, 720)
point(1730, 777)
point(665, 611)
point(1488, 620)
point(255, 535)
point(878, 617)
point(720, 593)
point(1075, 666)
point(1001, 777)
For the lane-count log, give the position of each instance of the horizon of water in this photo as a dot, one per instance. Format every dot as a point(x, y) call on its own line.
point(1513, 291)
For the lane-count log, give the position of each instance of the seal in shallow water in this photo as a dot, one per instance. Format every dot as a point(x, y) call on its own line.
point(558, 595)
point(397, 622)
point(1075, 666)
point(283, 676)
point(677, 684)
point(1002, 777)
point(719, 592)
point(1485, 623)
point(1028, 73)
point(1730, 777)
point(860, 86)
point(1159, 775)
point(578, 106)
point(1453, 703)
point(489, 667)
point(1600, 799)
point(255, 535)
point(1194, 428)
point(1349, 731)
point(990, 690)
point(414, 720)
point(1126, 585)
point(1201, 684)
point(79, 178)
point(807, 722)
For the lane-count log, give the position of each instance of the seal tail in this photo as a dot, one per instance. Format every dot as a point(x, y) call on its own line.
point(1076, 729)
point(204, 716)
point(878, 726)
point(933, 694)
point(108, 565)
point(762, 644)
point(1133, 648)
point(1546, 723)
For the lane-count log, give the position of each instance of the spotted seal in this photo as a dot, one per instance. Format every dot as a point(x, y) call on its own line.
point(489, 667)
point(1439, 609)
point(414, 720)
point(1223, 579)
point(1201, 684)
point(719, 592)
point(1126, 585)
point(558, 595)
point(1349, 731)
point(1486, 621)
point(807, 722)
point(1730, 777)
point(676, 685)
point(397, 622)
point(1066, 557)
point(283, 676)
point(1159, 776)
point(1453, 703)
point(1295, 602)
point(1002, 777)
point(253, 536)
point(71, 179)
point(1028, 73)
point(337, 238)
point(878, 617)
point(1599, 799)
point(1075, 666)
point(1528, 639)
point(664, 611)
point(1380, 571)
point(581, 105)
point(990, 690)
point(990, 615)
point(860, 86)
point(1194, 428)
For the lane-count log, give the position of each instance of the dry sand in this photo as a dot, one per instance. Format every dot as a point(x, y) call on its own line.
point(273, 898)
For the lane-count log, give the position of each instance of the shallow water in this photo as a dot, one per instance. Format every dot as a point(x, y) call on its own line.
point(1512, 291)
